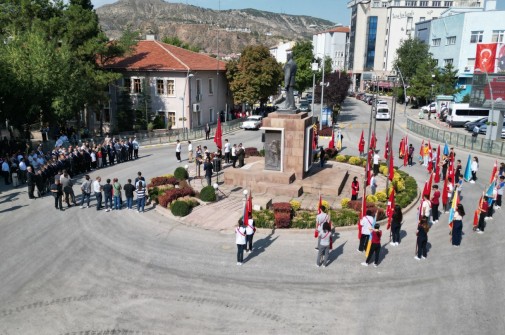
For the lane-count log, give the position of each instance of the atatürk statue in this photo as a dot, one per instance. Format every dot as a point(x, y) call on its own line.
point(289, 82)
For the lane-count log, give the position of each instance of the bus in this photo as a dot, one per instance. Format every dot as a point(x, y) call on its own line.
point(459, 114)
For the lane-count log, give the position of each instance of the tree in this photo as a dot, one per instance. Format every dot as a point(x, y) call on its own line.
point(144, 101)
point(336, 91)
point(176, 41)
point(421, 83)
point(125, 112)
point(447, 80)
point(409, 56)
point(303, 56)
point(255, 76)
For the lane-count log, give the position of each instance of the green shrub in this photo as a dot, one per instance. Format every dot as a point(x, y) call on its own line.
point(262, 152)
point(304, 220)
point(355, 161)
point(344, 202)
point(381, 196)
point(295, 205)
point(371, 198)
point(263, 219)
point(341, 159)
point(181, 174)
point(344, 217)
point(180, 208)
point(208, 194)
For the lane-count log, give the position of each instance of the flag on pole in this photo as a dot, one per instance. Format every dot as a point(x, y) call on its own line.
point(446, 149)
point(331, 145)
point(401, 149)
point(218, 136)
point(468, 170)
point(361, 146)
point(319, 204)
point(373, 141)
point(362, 212)
point(339, 140)
point(245, 216)
point(421, 151)
point(249, 205)
point(406, 151)
point(445, 195)
point(314, 144)
point(493, 173)
point(437, 167)
point(454, 205)
point(368, 168)
point(490, 192)
point(430, 158)
point(477, 213)
point(390, 208)
point(386, 147)
point(430, 183)
point(391, 167)
point(485, 57)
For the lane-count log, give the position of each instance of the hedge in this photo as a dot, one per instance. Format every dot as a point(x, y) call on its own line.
point(174, 194)
point(208, 194)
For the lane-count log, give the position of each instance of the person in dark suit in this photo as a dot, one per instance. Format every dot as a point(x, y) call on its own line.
point(30, 181)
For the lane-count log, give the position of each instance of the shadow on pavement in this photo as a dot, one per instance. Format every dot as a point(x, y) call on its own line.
point(383, 253)
point(13, 208)
point(261, 245)
point(9, 197)
point(335, 253)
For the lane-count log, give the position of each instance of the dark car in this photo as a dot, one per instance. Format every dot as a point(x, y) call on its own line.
point(304, 106)
point(471, 124)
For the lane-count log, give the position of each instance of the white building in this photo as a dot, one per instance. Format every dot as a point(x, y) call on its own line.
point(332, 43)
point(281, 51)
point(379, 26)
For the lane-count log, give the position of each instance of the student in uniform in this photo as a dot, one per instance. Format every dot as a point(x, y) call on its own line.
point(375, 248)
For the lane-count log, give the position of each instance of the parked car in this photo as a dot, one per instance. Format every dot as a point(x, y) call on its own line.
point(471, 124)
point(252, 122)
point(383, 113)
point(483, 129)
point(442, 116)
point(432, 108)
point(304, 106)
point(382, 102)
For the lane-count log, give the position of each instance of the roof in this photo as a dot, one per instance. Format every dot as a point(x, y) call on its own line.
point(339, 29)
point(158, 56)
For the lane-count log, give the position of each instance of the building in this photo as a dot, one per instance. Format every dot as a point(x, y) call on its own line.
point(280, 51)
point(332, 43)
point(453, 38)
point(378, 28)
point(187, 89)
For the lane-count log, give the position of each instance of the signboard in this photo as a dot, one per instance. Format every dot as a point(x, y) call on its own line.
point(484, 86)
point(326, 114)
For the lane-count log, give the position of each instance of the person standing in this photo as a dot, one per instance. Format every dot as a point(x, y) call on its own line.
point(178, 148)
point(57, 191)
point(141, 197)
point(373, 183)
point(366, 226)
point(475, 133)
point(426, 154)
point(426, 207)
point(6, 170)
point(135, 148)
point(457, 172)
point(208, 167)
point(240, 240)
point(249, 230)
point(30, 181)
point(190, 152)
point(450, 190)
point(499, 191)
point(324, 245)
point(86, 191)
point(483, 207)
point(411, 154)
point(321, 219)
point(474, 167)
point(457, 225)
point(321, 156)
point(234, 155)
point(396, 224)
point(116, 192)
point(435, 202)
point(207, 131)
point(422, 239)
point(240, 155)
point(97, 189)
point(376, 159)
point(375, 248)
point(67, 184)
point(354, 188)
point(128, 192)
point(227, 151)
point(107, 194)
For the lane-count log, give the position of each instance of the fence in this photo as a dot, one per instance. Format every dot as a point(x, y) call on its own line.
point(458, 140)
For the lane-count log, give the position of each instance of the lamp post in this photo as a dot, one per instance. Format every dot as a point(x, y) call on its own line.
point(315, 68)
point(322, 99)
point(243, 209)
point(189, 75)
point(404, 91)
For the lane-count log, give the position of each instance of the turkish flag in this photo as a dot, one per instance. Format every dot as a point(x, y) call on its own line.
point(362, 143)
point(390, 207)
point(485, 57)
point(218, 136)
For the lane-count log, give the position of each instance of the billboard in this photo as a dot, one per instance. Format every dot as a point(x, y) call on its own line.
point(486, 87)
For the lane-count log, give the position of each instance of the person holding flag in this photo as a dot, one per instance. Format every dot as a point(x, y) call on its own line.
point(474, 167)
point(240, 240)
point(483, 207)
point(426, 207)
point(410, 154)
point(457, 225)
point(499, 191)
point(331, 144)
point(435, 202)
point(366, 224)
point(396, 224)
point(340, 140)
point(426, 154)
point(491, 194)
point(375, 247)
point(422, 239)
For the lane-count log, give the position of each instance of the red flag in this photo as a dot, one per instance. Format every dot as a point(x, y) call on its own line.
point(445, 195)
point(406, 152)
point(218, 136)
point(401, 148)
point(390, 208)
point(373, 141)
point(485, 57)
point(362, 143)
point(386, 147)
point(314, 145)
point(249, 204)
point(493, 173)
point(331, 145)
point(477, 213)
point(391, 167)
point(430, 158)
point(319, 204)
point(368, 167)
point(437, 167)
point(363, 211)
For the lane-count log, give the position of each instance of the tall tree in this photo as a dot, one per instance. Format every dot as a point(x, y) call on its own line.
point(255, 76)
point(447, 80)
point(422, 84)
point(336, 91)
point(125, 112)
point(303, 56)
point(409, 56)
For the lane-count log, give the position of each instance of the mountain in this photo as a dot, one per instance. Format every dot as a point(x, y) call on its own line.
point(200, 26)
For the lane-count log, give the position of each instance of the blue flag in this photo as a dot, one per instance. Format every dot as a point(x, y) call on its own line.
point(446, 149)
point(468, 170)
point(489, 193)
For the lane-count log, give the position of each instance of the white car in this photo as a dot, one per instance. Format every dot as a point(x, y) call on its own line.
point(430, 108)
point(252, 122)
point(382, 102)
point(383, 113)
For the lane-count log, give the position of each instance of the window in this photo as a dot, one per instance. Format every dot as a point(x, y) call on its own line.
point(127, 84)
point(476, 36)
point(397, 2)
point(448, 3)
point(436, 3)
point(411, 3)
point(423, 3)
point(448, 61)
point(371, 39)
point(436, 42)
point(422, 18)
point(211, 86)
point(137, 85)
point(211, 115)
point(450, 40)
point(160, 87)
point(171, 119)
point(410, 21)
point(376, 4)
point(498, 36)
point(198, 87)
point(384, 4)
point(170, 87)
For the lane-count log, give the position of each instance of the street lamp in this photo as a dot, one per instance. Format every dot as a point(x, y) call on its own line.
point(243, 209)
point(183, 98)
point(431, 97)
point(322, 99)
point(315, 68)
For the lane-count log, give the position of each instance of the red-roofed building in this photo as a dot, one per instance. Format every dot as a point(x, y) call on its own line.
point(180, 82)
point(333, 43)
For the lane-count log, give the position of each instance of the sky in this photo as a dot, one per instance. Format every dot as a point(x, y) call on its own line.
point(333, 10)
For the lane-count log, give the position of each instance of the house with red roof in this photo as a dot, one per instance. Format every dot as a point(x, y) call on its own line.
point(187, 89)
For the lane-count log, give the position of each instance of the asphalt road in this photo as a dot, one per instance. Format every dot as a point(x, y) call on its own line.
point(88, 272)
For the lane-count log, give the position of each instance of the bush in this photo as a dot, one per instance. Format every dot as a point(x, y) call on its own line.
point(264, 219)
point(341, 159)
point(295, 205)
point(158, 181)
point(262, 152)
point(383, 169)
point(249, 152)
point(381, 196)
point(282, 219)
point(355, 161)
point(326, 204)
point(281, 207)
point(181, 174)
point(208, 194)
point(304, 220)
point(344, 202)
point(331, 152)
point(173, 194)
point(180, 208)
point(344, 217)
point(371, 198)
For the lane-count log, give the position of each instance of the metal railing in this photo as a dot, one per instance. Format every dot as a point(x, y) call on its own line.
point(458, 140)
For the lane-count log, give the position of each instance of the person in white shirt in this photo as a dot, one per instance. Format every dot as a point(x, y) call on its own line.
point(227, 151)
point(6, 171)
point(373, 183)
point(190, 152)
point(22, 171)
point(450, 190)
point(178, 148)
point(376, 159)
point(234, 155)
point(366, 226)
point(474, 167)
point(240, 240)
point(250, 230)
point(97, 188)
point(426, 207)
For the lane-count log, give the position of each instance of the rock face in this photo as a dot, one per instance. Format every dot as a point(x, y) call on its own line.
point(200, 27)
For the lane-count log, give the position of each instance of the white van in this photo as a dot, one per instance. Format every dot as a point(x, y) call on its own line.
point(383, 113)
point(459, 114)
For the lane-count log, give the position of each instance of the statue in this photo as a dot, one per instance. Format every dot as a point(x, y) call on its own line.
point(289, 82)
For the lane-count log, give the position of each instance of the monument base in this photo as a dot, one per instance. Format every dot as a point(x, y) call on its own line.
point(287, 111)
